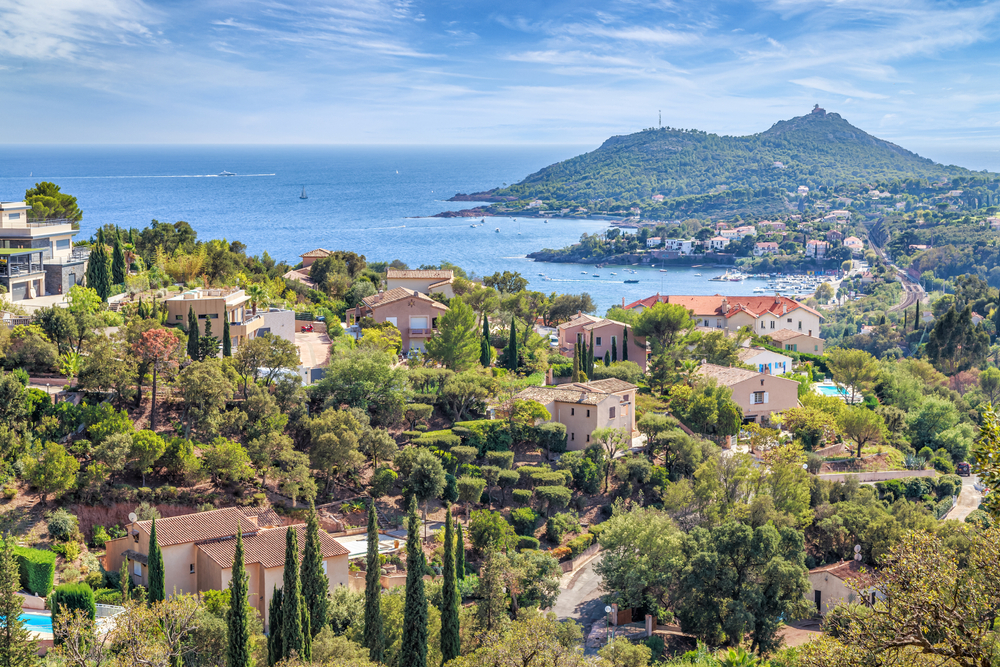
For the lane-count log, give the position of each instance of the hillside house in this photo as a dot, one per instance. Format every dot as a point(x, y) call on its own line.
point(765, 361)
point(793, 341)
point(830, 585)
point(216, 305)
point(817, 249)
point(855, 244)
point(759, 395)
point(835, 235)
point(198, 552)
point(309, 257)
point(765, 248)
point(583, 407)
point(413, 313)
point(763, 314)
point(38, 257)
point(425, 281)
point(653, 241)
point(606, 333)
point(718, 242)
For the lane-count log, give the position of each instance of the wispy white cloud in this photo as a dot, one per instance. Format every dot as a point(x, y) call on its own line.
point(838, 87)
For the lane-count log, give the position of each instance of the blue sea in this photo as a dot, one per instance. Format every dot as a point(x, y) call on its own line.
point(373, 200)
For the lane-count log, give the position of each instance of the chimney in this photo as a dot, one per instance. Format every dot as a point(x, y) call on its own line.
point(623, 302)
point(784, 309)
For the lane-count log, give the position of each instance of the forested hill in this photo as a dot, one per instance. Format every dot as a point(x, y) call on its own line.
point(814, 150)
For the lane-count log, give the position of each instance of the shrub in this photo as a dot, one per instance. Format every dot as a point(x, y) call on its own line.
point(551, 437)
point(464, 454)
point(554, 497)
point(580, 543)
point(524, 520)
point(560, 552)
point(949, 485)
point(410, 435)
point(502, 460)
point(470, 489)
point(628, 371)
point(597, 529)
point(528, 542)
point(656, 645)
point(980, 519)
point(557, 526)
point(94, 579)
point(942, 464)
point(382, 482)
point(487, 435)
point(487, 528)
point(37, 569)
point(528, 472)
point(9, 491)
point(926, 453)
point(100, 538)
point(522, 496)
point(914, 487)
point(108, 596)
point(438, 439)
point(72, 596)
point(548, 478)
point(63, 526)
point(68, 550)
point(813, 462)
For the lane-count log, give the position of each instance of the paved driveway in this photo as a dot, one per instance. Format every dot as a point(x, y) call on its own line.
point(580, 595)
point(968, 499)
point(314, 348)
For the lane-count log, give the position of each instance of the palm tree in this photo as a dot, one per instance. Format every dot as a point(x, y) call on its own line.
point(688, 369)
point(258, 295)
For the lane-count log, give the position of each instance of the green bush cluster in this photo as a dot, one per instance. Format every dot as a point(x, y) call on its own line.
point(486, 435)
point(444, 439)
point(557, 526)
point(522, 496)
point(68, 597)
point(528, 542)
point(524, 520)
point(580, 543)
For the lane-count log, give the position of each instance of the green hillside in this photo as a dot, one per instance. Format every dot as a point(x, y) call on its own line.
point(818, 149)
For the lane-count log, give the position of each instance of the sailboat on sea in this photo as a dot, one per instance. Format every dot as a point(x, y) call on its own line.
point(303, 195)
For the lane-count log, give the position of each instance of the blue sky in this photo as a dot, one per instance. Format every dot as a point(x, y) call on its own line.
point(923, 74)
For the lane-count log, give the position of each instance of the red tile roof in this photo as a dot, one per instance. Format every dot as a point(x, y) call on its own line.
point(846, 571)
point(267, 547)
point(318, 252)
point(398, 294)
point(195, 527)
point(714, 306)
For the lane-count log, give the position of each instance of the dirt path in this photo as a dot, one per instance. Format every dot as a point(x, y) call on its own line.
point(968, 499)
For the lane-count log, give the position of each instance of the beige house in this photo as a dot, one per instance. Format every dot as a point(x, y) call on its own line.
point(605, 334)
point(198, 552)
point(413, 313)
point(309, 257)
point(216, 304)
point(830, 585)
point(424, 281)
point(793, 341)
point(583, 407)
point(759, 395)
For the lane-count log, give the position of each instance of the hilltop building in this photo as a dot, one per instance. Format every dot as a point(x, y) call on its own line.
point(38, 257)
point(584, 407)
point(763, 314)
point(413, 313)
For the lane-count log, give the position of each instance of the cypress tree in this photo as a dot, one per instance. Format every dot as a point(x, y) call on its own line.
point(625, 344)
point(307, 642)
point(576, 363)
point(916, 314)
point(413, 652)
point(607, 358)
point(374, 639)
point(123, 580)
point(590, 357)
point(227, 339)
point(17, 647)
point(238, 620)
point(486, 327)
point(156, 586)
point(99, 269)
point(275, 650)
point(315, 585)
point(614, 349)
point(450, 638)
point(906, 316)
point(485, 355)
point(459, 553)
point(118, 271)
point(292, 639)
point(193, 335)
point(512, 347)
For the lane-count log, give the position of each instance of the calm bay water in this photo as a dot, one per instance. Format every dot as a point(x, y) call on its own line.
point(368, 199)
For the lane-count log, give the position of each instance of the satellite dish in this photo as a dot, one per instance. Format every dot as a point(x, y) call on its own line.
point(132, 517)
point(857, 548)
point(857, 557)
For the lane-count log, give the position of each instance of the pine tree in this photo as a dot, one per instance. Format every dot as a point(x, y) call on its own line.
point(156, 585)
point(373, 639)
point(17, 647)
point(614, 350)
point(292, 639)
point(315, 585)
point(625, 344)
point(511, 364)
point(227, 339)
point(99, 269)
point(118, 271)
point(460, 553)
point(413, 652)
point(238, 619)
point(275, 651)
point(208, 345)
point(450, 638)
point(193, 334)
point(607, 358)
point(492, 599)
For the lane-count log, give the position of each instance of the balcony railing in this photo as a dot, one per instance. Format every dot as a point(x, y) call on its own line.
point(49, 223)
point(76, 256)
point(16, 270)
point(422, 333)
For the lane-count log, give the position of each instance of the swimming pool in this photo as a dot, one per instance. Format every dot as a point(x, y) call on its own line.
point(831, 390)
point(37, 622)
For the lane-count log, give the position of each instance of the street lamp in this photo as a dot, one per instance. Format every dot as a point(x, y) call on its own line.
point(607, 628)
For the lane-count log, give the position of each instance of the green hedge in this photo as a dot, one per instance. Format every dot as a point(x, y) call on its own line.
point(72, 596)
point(548, 478)
point(487, 435)
point(527, 542)
point(440, 439)
point(37, 569)
point(580, 543)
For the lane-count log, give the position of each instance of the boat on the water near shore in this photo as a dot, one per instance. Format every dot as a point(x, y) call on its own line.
point(631, 282)
point(229, 173)
point(303, 195)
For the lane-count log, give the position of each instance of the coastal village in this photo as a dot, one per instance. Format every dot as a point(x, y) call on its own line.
point(210, 458)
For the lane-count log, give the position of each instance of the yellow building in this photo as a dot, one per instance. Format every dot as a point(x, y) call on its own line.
point(198, 552)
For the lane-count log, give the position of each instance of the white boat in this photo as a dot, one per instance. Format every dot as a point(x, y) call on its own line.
point(697, 274)
point(497, 230)
point(663, 271)
point(226, 173)
point(597, 275)
point(303, 195)
point(613, 273)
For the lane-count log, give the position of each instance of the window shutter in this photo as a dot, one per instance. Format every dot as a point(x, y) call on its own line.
point(765, 397)
point(751, 398)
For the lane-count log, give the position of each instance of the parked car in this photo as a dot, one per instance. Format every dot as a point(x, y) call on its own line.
point(963, 469)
